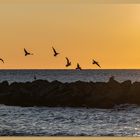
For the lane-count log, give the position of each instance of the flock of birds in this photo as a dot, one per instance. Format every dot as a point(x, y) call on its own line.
point(68, 63)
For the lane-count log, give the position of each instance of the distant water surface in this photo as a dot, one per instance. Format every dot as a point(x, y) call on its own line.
point(69, 75)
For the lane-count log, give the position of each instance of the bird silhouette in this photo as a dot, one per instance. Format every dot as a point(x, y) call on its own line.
point(27, 53)
point(78, 67)
point(2, 60)
point(55, 53)
point(96, 63)
point(68, 62)
point(35, 77)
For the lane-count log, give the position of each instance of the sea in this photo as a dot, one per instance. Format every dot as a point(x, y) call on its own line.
point(123, 120)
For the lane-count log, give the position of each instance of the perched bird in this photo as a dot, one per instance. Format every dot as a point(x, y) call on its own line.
point(68, 62)
point(2, 60)
point(78, 67)
point(96, 63)
point(112, 79)
point(35, 77)
point(55, 53)
point(27, 53)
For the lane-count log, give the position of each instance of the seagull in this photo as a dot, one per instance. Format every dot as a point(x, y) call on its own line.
point(68, 62)
point(96, 63)
point(2, 60)
point(78, 67)
point(27, 53)
point(55, 53)
point(35, 77)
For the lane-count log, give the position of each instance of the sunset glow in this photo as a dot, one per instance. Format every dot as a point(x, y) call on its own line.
point(82, 31)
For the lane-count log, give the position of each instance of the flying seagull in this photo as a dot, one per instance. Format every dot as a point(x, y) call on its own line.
point(78, 67)
point(2, 60)
point(55, 53)
point(27, 53)
point(96, 63)
point(68, 62)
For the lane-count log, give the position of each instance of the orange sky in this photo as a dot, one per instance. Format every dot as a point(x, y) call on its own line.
point(80, 30)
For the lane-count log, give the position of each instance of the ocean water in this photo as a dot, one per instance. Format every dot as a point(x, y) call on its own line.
point(44, 121)
point(69, 75)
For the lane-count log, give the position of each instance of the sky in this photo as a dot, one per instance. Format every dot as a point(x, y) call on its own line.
point(82, 30)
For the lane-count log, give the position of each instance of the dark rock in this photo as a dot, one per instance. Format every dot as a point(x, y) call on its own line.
point(4, 86)
point(75, 94)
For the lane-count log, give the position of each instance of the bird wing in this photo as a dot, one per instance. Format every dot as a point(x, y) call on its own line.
point(98, 65)
point(67, 60)
point(2, 60)
point(54, 50)
point(93, 61)
point(78, 65)
point(25, 50)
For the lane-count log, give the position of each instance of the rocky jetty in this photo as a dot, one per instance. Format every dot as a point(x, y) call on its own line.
point(75, 94)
